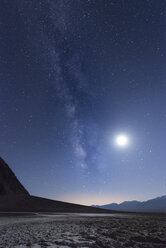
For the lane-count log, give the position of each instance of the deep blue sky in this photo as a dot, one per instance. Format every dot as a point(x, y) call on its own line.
point(73, 75)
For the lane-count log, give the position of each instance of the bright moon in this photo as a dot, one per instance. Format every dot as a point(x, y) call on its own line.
point(122, 140)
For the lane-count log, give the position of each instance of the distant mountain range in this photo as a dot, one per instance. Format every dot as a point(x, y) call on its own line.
point(154, 205)
point(14, 197)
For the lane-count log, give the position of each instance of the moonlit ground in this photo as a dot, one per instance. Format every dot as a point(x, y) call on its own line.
point(83, 230)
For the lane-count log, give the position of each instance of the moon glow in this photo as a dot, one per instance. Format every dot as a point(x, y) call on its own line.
point(121, 140)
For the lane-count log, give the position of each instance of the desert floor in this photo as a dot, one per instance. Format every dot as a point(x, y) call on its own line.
point(82, 230)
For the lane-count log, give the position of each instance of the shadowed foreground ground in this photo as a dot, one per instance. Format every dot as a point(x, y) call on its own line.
point(83, 230)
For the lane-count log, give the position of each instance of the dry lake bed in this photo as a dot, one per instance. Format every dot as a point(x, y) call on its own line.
point(82, 230)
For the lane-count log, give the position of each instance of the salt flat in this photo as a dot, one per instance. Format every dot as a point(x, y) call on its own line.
point(82, 230)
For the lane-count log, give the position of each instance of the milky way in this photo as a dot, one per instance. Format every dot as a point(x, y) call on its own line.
point(74, 74)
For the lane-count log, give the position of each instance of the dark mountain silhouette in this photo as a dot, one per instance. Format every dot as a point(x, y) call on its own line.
point(9, 184)
point(155, 205)
point(14, 197)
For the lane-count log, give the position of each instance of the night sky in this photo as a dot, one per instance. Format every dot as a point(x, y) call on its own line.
point(74, 74)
